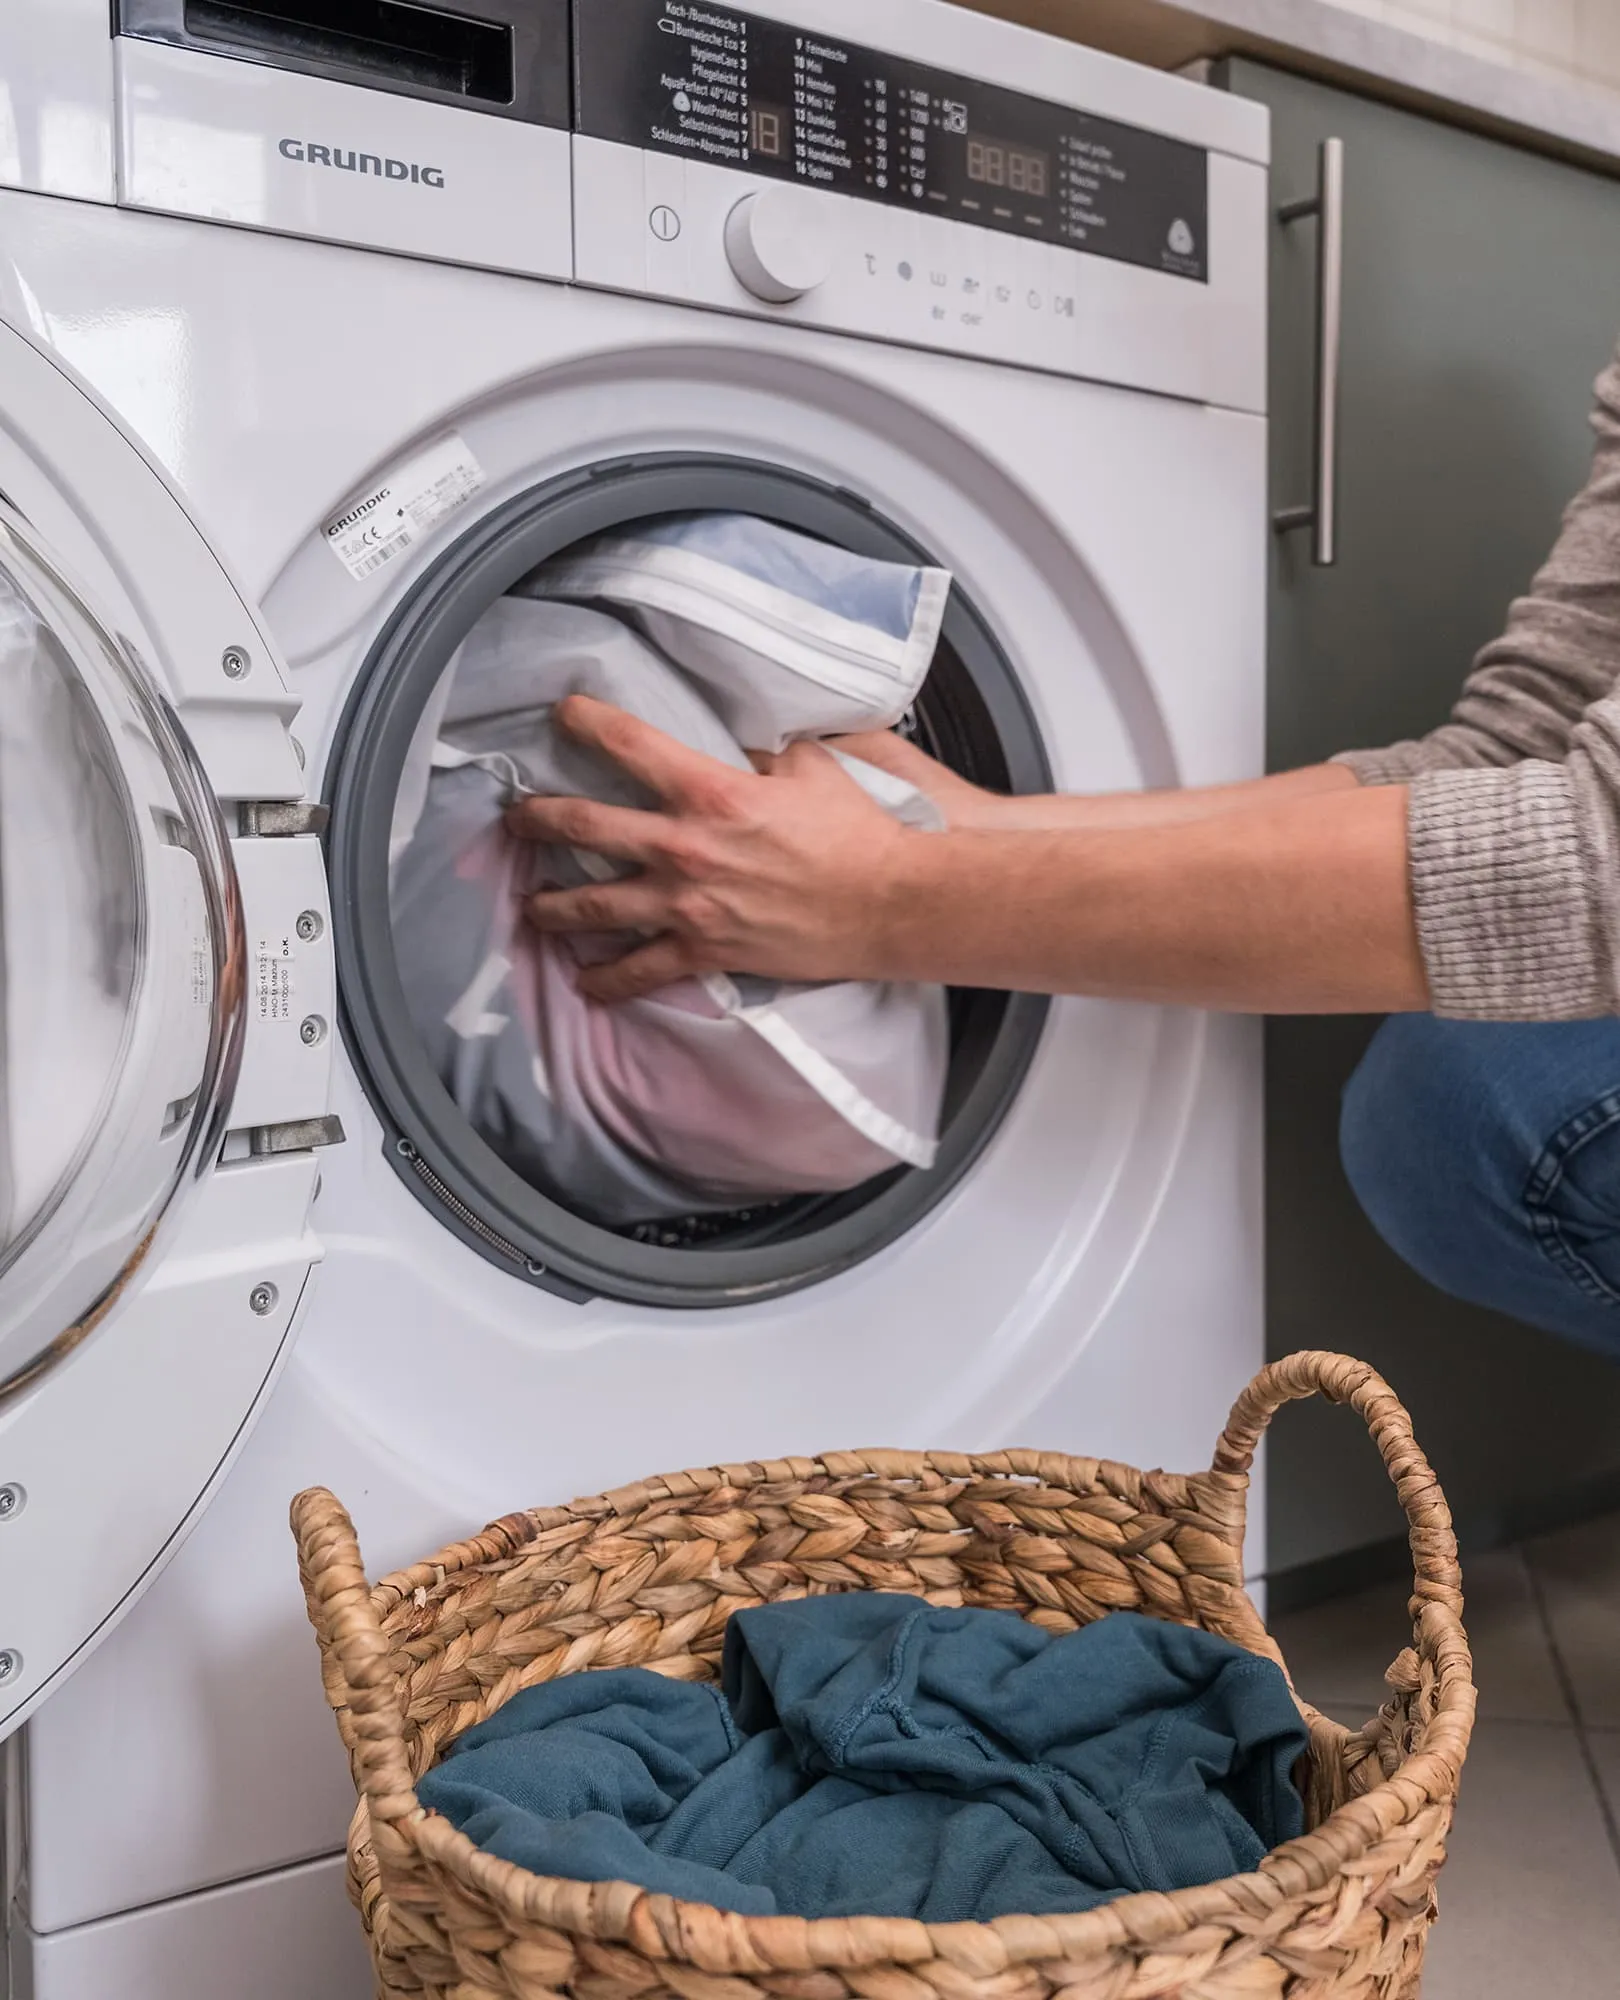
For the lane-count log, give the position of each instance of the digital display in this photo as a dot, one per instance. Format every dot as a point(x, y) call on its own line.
point(712, 83)
point(997, 164)
point(768, 127)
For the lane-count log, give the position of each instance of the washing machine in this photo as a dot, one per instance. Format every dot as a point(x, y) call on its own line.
point(320, 327)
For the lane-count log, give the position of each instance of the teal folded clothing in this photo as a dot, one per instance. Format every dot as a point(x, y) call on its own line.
point(871, 1754)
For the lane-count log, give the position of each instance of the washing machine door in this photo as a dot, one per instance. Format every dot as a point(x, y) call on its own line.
point(160, 1106)
point(121, 949)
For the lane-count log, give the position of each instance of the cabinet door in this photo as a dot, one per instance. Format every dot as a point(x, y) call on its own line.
point(1481, 297)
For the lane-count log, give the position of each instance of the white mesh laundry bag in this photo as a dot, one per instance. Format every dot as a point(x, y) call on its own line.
point(709, 1095)
point(788, 637)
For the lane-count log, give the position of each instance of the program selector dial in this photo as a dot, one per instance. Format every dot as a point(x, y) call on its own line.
point(779, 243)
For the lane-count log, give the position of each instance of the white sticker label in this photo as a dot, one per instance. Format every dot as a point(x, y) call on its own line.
point(273, 979)
point(411, 502)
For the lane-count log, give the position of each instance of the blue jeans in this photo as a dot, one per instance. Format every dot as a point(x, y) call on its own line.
point(1488, 1157)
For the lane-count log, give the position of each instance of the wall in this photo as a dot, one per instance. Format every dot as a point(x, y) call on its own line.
point(1544, 74)
point(1566, 40)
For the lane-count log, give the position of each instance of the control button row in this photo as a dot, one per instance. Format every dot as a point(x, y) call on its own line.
point(1027, 298)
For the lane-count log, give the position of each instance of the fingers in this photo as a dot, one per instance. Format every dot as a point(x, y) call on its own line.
point(677, 774)
point(616, 831)
point(641, 972)
point(600, 906)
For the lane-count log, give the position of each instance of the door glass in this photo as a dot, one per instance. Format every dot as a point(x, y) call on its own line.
point(70, 917)
point(121, 957)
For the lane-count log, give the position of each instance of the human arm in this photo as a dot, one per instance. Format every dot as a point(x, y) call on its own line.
point(969, 807)
point(1296, 905)
point(1513, 805)
point(1497, 896)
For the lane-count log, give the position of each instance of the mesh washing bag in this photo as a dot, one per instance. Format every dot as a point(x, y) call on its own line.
point(710, 1095)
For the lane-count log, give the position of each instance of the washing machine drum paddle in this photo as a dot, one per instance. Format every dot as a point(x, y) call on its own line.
point(715, 1093)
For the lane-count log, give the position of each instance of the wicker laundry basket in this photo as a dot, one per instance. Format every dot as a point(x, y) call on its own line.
point(650, 1574)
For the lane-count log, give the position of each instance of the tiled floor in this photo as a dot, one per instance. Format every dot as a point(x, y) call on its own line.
point(1530, 1900)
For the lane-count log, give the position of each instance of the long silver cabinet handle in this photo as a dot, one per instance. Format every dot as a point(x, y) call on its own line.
point(1321, 516)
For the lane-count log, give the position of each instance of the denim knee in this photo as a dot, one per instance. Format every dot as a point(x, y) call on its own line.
point(1437, 1167)
point(1573, 1200)
point(1487, 1155)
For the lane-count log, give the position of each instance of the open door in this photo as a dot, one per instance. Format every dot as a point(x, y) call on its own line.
point(165, 1013)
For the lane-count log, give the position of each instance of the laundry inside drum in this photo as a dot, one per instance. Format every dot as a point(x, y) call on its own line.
point(716, 1096)
point(726, 1137)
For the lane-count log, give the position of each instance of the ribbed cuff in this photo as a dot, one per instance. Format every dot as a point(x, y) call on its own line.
point(1504, 896)
point(1399, 764)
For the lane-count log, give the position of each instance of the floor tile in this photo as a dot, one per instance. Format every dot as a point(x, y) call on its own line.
point(1605, 1747)
point(1530, 1897)
point(1337, 1653)
point(1579, 1573)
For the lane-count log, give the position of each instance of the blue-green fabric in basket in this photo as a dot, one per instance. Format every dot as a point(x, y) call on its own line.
point(872, 1754)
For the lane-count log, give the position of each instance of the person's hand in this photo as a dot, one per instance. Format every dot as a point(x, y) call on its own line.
point(963, 804)
point(790, 872)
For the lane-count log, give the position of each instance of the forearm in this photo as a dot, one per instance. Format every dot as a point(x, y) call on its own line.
point(1100, 811)
point(1299, 904)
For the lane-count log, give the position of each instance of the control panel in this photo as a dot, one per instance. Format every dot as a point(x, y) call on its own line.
point(768, 161)
point(698, 82)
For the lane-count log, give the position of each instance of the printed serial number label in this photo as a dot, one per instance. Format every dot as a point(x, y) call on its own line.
point(409, 504)
point(273, 979)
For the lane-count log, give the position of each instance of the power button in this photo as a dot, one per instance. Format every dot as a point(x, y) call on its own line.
point(664, 223)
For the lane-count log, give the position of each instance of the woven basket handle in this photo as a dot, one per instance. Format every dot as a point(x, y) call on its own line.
point(1340, 1380)
point(355, 1658)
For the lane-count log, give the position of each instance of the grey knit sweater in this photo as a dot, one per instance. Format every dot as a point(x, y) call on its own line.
point(1515, 802)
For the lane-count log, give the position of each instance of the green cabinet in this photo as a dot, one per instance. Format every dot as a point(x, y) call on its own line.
point(1481, 295)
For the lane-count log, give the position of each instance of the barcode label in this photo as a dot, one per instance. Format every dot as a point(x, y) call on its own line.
point(409, 504)
point(375, 558)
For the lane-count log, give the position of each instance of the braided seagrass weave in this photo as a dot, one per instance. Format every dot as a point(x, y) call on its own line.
point(649, 1575)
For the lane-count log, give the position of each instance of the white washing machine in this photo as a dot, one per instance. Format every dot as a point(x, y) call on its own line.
point(320, 325)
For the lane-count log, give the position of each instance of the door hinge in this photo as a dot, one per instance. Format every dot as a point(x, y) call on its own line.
point(281, 819)
point(298, 1135)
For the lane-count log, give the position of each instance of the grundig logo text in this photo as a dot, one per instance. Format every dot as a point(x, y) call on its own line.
point(360, 163)
point(359, 513)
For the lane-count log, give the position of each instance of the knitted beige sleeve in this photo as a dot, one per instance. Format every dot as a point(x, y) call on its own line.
point(1515, 802)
